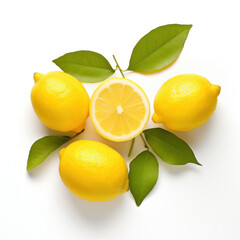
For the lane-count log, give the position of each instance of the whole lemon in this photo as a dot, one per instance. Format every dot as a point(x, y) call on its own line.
point(93, 171)
point(60, 101)
point(185, 102)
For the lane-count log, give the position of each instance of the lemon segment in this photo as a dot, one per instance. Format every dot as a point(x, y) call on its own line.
point(119, 109)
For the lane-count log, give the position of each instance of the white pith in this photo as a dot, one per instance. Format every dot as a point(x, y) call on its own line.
point(119, 109)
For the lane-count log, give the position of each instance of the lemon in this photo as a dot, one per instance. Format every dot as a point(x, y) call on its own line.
point(60, 101)
point(93, 171)
point(185, 102)
point(119, 109)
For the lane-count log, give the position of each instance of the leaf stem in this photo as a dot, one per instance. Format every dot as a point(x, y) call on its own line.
point(132, 144)
point(121, 71)
point(145, 143)
point(131, 148)
point(78, 133)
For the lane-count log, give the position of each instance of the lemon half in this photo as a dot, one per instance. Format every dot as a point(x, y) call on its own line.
point(119, 109)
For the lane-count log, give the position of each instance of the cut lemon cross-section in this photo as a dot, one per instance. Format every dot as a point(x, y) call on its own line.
point(119, 109)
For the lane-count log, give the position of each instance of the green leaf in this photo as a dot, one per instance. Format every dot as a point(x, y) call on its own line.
point(86, 66)
point(159, 48)
point(170, 148)
point(143, 175)
point(43, 147)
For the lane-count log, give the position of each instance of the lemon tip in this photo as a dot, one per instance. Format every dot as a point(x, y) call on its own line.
point(61, 152)
point(216, 89)
point(156, 118)
point(37, 76)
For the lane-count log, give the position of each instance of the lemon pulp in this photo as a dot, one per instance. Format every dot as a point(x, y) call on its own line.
point(119, 109)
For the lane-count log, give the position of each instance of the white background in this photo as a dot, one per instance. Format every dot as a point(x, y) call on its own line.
point(188, 202)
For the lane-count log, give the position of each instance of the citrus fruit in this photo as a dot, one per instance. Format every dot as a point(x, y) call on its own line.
point(119, 109)
point(93, 171)
point(185, 102)
point(60, 101)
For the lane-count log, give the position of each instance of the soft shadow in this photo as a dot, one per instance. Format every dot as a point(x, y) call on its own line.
point(193, 137)
point(36, 171)
point(91, 134)
point(96, 213)
point(43, 167)
point(50, 132)
point(178, 170)
point(197, 135)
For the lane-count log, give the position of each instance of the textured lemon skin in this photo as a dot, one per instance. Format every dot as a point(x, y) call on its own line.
point(185, 102)
point(60, 101)
point(93, 171)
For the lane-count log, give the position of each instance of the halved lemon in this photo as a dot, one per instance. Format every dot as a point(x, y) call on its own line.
point(119, 109)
